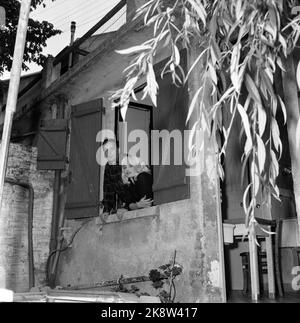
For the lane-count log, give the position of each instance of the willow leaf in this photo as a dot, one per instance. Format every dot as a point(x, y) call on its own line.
point(252, 89)
point(261, 153)
point(193, 104)
point(245, 121)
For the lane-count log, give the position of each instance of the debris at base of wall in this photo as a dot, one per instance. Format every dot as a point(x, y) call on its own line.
point(6, 295)
point(83, 296)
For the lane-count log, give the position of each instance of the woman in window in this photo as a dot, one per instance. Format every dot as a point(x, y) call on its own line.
point(114, 190)
point(138, 178)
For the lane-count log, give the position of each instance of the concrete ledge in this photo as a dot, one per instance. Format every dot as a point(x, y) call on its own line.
point(132, 215)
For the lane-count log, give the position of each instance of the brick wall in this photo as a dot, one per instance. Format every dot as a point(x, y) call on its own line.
point(14, 220)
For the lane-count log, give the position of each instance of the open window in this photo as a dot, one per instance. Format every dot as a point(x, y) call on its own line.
point(164, 126)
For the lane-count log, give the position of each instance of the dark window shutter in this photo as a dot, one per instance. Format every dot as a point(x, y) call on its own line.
point(169, 181)
point(83, 192)
point(52, 144)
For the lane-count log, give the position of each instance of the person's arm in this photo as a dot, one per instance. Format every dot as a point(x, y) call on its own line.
point(141, 204)
point(144, 185)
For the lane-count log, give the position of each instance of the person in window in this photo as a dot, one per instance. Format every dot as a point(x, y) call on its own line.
point(114, 190)
point(137, 176)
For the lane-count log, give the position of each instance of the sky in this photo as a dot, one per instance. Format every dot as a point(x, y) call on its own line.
point(86, 13)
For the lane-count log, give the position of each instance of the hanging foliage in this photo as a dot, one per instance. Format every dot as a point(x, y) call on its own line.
point(240, 41)
point(37, 34)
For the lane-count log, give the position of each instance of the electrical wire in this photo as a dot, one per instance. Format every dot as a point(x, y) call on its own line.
point(96, 15)
point(114, 22)
point(74, 13)
point(87, 22)
point(56, 5)
point(107, 28)
point(95, 19)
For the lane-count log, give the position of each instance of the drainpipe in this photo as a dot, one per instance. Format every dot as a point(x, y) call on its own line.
point(54, 225)
point(30, 226)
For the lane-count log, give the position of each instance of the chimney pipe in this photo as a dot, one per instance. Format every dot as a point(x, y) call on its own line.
point(73, 29)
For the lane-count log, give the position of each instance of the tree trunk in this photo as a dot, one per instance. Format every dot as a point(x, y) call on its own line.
point(293, 114)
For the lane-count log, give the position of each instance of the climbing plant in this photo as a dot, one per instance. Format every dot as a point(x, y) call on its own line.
point(241, 45)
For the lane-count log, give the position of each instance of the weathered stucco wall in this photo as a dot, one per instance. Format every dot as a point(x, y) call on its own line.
point(134, 247)
point(14, 220)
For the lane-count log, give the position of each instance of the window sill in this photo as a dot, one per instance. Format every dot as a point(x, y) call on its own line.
point(132, 215)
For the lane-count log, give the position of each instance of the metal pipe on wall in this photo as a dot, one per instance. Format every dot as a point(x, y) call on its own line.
point(30, 226)
point(54, 224)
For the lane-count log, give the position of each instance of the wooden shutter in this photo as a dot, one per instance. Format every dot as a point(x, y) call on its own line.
point(52, 144)
point(169, 181)
point(83, 189)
